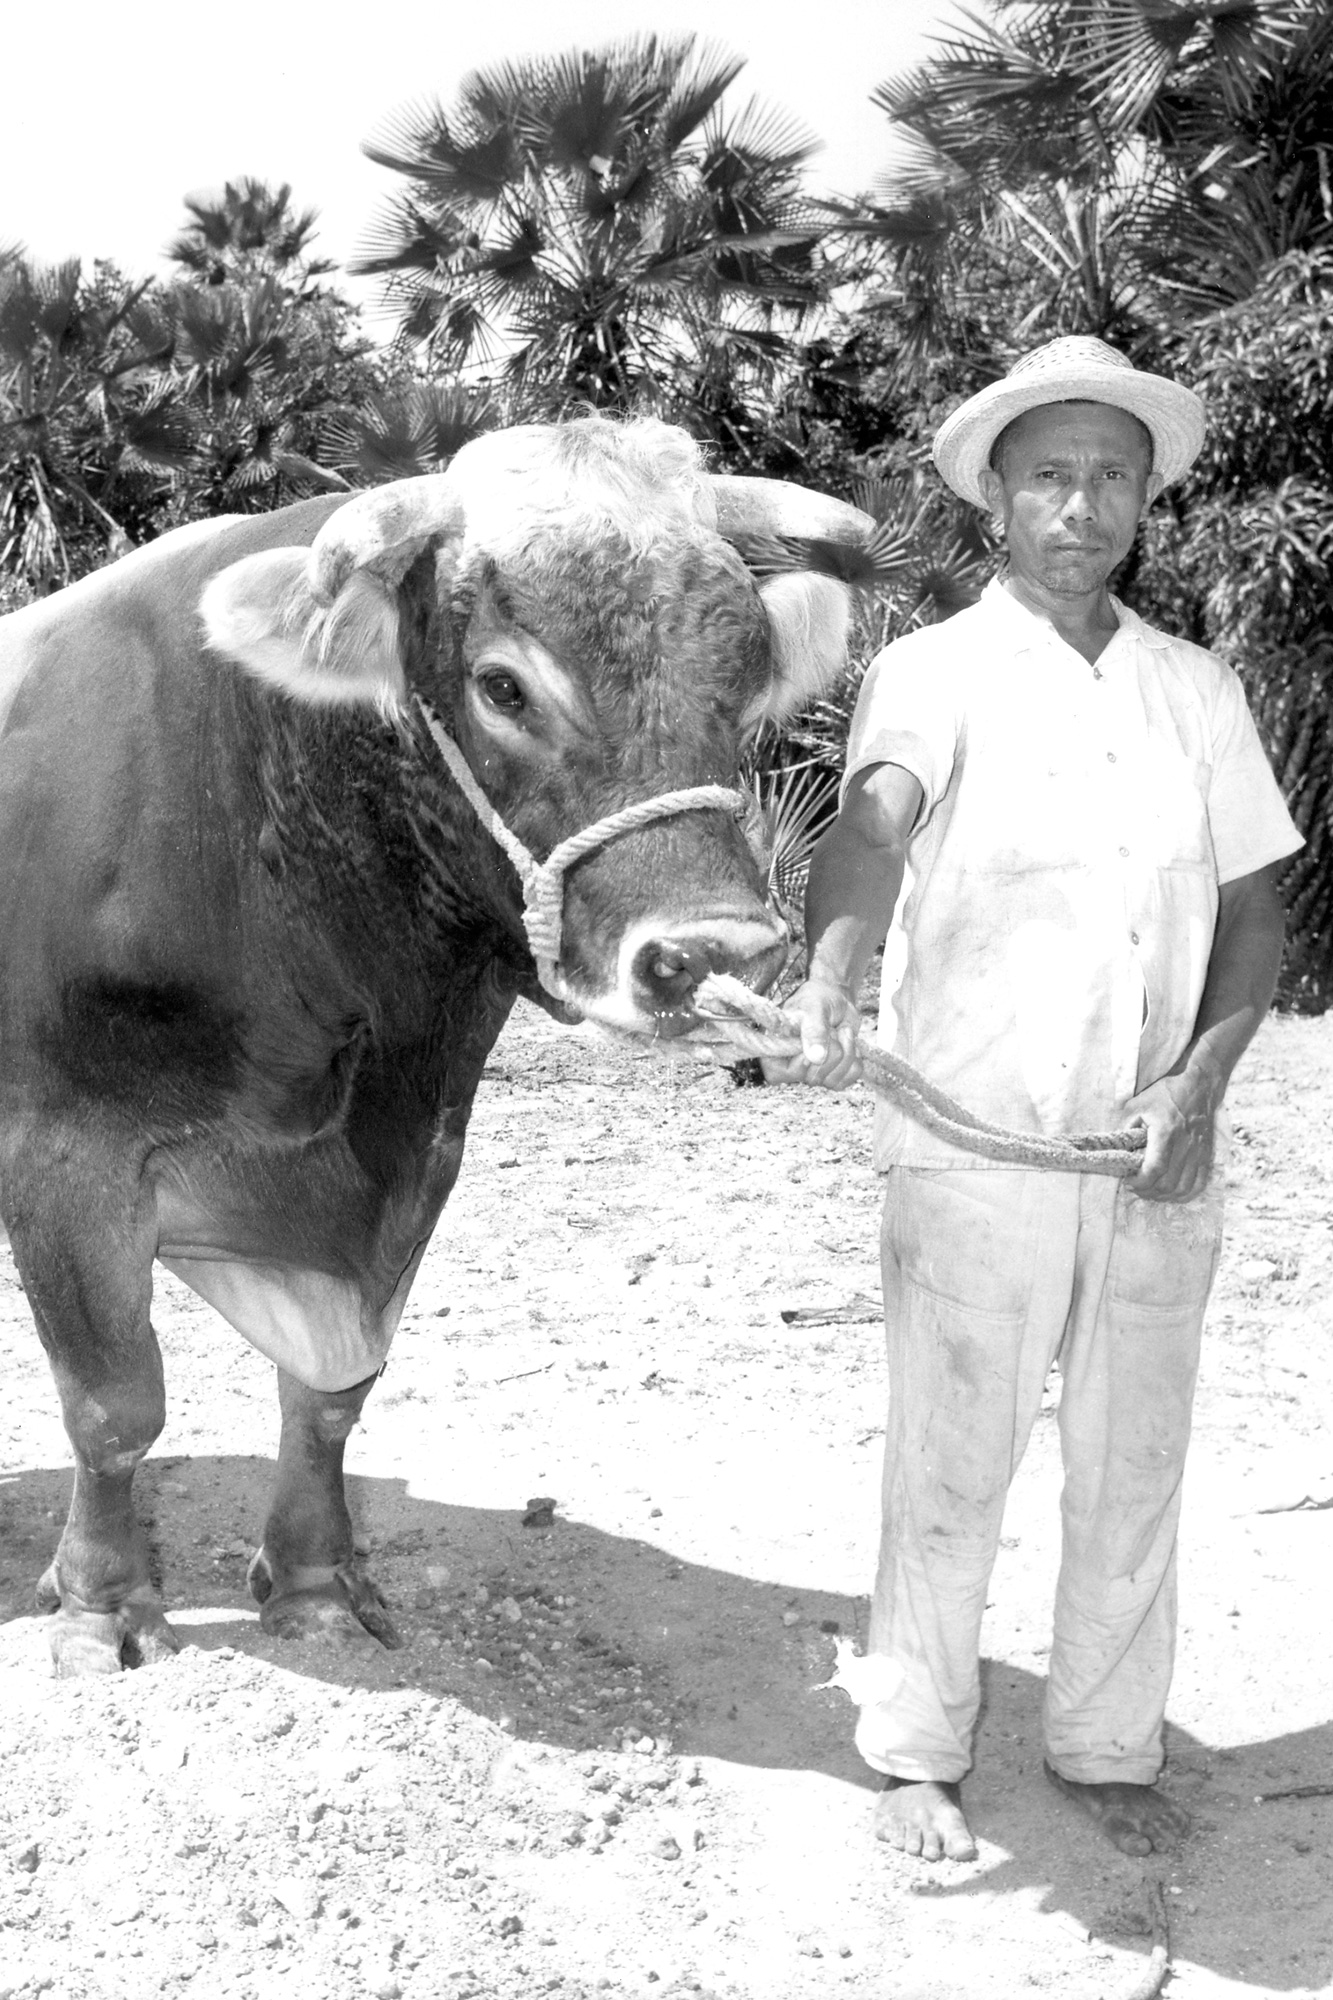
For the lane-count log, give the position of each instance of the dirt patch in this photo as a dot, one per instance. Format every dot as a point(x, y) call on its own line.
point(602, 1762)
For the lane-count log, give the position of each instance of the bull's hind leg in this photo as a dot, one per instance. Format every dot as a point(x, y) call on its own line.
point(306, 1576)
point(87, 1271)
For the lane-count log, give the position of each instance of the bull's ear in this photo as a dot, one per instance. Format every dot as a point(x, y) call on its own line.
point(808, 620)
point(262, 613)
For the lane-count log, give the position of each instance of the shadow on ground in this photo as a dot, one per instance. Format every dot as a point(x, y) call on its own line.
point(729, 1666)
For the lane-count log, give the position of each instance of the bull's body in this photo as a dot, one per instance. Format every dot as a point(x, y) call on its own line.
point(255, 946)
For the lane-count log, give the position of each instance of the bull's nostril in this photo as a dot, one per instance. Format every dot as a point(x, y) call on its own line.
point(669, 969)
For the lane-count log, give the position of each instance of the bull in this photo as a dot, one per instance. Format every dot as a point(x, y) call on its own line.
point(269, 792)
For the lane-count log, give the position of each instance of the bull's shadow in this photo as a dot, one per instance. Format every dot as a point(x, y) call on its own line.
point(705, 1656)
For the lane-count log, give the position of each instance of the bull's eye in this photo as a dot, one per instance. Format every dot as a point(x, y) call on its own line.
point(501, 690)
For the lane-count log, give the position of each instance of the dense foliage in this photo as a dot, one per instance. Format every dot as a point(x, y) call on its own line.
point(595, 230)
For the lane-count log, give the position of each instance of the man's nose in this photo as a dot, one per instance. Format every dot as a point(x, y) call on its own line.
point(1079, 503)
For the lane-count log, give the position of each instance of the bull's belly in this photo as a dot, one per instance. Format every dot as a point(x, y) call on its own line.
point(316, 1327)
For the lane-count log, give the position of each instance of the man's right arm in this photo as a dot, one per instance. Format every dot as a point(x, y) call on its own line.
point(856, 874)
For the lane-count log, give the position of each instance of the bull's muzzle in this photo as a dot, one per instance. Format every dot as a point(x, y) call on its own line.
point(664, 970)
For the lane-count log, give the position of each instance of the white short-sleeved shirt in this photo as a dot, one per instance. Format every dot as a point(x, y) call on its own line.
point(1064, 870)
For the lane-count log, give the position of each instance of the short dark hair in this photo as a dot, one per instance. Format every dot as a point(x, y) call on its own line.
point(996, 459)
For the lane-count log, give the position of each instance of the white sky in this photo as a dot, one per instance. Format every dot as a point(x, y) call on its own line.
point(113, 114)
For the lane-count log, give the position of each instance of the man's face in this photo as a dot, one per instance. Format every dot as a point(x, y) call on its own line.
point(1072, 484)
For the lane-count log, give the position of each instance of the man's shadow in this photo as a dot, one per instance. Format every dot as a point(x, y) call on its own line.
point(729, 1667)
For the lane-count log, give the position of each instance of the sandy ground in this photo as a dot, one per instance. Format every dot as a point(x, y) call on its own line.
point(602, 1762)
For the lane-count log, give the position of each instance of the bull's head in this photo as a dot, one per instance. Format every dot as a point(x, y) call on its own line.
point(573, 602)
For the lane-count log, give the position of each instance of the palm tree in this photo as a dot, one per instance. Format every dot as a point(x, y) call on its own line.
point(91, 426)
point(593, 228)
point(264, 351)
point(250, 230)
point(1102, 166)
point(406, 431)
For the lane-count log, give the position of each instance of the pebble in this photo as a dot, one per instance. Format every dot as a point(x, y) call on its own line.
point(791, 1617)
point(299, 1898)
point(667, 1848)
point(1257, 1271)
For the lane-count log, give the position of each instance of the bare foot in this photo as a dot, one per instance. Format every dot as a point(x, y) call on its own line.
point(1138, 1818)
point(924, 1817)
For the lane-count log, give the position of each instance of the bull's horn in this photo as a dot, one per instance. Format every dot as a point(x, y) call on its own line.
point(778, 526)
point(383, 529)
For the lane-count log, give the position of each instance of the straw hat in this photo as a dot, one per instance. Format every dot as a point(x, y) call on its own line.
point(1075, 369)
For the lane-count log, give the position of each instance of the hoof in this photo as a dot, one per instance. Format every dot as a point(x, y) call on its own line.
point(320, 1603)
point(86, 1643)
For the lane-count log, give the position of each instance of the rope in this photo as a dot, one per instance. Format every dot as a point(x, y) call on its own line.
point(744, 1020)
point(740, 1016)
point(543, 881)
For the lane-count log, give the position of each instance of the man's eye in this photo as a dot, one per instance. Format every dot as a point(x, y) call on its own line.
point(501, 691)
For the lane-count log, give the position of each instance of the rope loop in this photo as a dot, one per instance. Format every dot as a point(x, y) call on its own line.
point(544, 881)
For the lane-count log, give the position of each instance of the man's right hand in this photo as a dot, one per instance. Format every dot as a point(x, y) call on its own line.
point(856, 871)
point(829, 1023)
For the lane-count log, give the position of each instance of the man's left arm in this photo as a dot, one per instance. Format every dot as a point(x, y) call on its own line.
point(1180, 1108)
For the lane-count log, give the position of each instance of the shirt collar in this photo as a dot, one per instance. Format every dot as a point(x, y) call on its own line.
point(1029, 629)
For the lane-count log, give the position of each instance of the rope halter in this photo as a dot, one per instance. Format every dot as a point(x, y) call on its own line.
point(543, 881)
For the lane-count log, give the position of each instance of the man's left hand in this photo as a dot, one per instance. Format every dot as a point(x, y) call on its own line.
point(1178, 1113)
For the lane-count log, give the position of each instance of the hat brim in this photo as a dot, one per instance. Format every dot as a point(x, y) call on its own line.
point(1173, 413)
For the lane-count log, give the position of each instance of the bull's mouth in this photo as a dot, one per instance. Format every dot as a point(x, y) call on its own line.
point(660, 969)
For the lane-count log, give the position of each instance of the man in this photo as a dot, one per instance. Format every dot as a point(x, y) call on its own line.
point(1092, 937)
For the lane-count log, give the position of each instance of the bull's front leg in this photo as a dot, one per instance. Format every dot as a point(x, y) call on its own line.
point(306, 1576)
point(84, 1250)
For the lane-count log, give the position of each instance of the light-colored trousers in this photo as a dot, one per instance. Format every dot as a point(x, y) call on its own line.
point(988, 1276)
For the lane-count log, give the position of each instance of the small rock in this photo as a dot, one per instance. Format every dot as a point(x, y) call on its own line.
point(808, 1948)
point(437, 1575)
point(667, 1848)
point(791, 1617)
point(539, 1512)
point(1257, 1271)
point(510, 1611)
point(27, 1858)
point(300, 1899)
point(510, 1925)
point(122, 1906)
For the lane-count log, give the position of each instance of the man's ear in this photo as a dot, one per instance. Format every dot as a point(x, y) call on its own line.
point(1156, 484)
point(991, 484)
